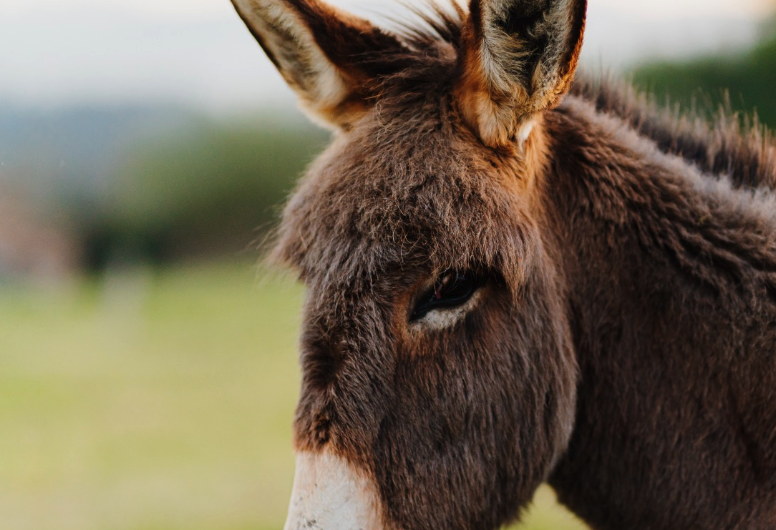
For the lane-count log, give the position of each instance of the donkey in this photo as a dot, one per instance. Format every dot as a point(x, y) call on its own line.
point(516, 278)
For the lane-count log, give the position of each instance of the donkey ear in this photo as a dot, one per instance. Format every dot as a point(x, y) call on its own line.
point(331, 59)
point(519, 58)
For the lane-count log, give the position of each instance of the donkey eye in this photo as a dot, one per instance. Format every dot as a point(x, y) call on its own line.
point(452, 289)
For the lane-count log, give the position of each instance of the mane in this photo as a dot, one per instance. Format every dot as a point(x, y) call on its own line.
point(432, 39)
point(719, 142)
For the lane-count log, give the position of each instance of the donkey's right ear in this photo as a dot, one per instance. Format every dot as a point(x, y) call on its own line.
point(331, 59)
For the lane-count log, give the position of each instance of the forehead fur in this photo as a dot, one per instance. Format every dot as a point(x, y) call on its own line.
point(408, 187)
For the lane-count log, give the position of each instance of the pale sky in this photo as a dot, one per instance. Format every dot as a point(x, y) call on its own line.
point(207, 8)
point(197, 53)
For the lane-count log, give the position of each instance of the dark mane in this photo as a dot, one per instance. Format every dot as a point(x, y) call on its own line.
point(432, 39)
point(433, 24)
point(727, 145)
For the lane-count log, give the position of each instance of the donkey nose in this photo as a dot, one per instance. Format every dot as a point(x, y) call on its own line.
point(331, 494)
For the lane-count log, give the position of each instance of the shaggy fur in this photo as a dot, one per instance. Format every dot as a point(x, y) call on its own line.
point(624, 347)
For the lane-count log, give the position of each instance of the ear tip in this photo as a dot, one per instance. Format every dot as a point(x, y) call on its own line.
point(243, 8)
point(240, 4)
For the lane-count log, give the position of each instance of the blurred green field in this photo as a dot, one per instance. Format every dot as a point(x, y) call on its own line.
point(155, 400)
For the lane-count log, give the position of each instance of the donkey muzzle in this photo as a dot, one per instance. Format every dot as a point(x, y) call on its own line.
point(331, 494)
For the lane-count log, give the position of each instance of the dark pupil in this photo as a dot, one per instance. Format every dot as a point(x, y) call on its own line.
point(451, 290)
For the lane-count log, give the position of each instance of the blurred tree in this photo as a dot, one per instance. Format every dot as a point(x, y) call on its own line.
point(748, 78)
point(217, 188)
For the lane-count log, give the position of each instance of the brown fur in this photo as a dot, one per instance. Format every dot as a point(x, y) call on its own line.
point(744, 153)
point(624, 348)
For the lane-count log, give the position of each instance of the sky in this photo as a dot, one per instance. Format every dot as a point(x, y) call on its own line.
point(167, 9)
point(196, 53)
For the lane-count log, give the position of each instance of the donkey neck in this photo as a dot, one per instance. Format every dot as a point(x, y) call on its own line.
point(671, 289)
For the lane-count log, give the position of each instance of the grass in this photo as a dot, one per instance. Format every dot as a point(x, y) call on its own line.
point(155, 401)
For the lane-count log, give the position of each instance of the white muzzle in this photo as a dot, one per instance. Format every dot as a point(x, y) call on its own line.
point(330, 494)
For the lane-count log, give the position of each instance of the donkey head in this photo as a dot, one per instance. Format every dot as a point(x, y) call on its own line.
point(438, 374)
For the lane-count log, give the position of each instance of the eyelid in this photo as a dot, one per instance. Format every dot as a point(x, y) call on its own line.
point(427, 301)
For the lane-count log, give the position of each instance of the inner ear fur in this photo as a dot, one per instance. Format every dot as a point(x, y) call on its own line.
point(330, 58)
point(518, 60)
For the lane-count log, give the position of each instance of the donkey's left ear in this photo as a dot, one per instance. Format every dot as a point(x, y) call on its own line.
point(519, 58)
point(331, 59)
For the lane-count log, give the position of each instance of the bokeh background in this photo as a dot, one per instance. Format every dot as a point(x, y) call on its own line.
point(148, 369)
